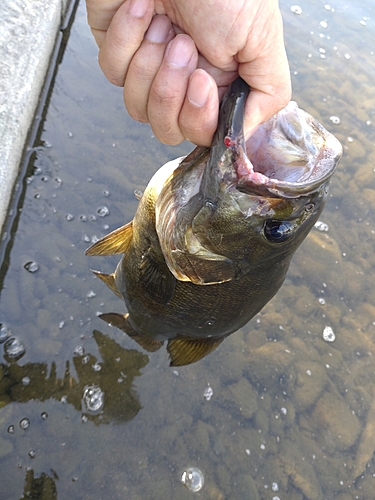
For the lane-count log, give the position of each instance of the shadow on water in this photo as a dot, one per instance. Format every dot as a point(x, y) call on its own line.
point(111, 378)
point(285, 407)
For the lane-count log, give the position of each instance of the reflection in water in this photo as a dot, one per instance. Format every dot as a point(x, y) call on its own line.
point(114, 375)
point(40, 487)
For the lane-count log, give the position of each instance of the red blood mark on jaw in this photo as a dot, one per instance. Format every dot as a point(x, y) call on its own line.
point(228, 142)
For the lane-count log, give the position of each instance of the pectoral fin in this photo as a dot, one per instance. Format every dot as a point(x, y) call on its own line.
point(109, 280)
point(184, 351)
point(121, 322)
point(159, 283)
point(114, 243)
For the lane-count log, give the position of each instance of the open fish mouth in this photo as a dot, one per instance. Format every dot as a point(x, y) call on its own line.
point(290, 155)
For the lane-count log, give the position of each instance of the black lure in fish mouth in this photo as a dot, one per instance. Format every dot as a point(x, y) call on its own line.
point(291, 155)
point(228, 147)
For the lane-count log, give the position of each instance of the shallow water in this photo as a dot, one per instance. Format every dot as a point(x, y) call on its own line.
point(284, 408)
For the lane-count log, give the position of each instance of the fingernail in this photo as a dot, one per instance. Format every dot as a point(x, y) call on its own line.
point(139, 8)
point(179, 51)
point(199, 88)
point(159, 29)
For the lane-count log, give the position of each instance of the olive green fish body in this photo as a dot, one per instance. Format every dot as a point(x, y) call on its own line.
point(214, 233)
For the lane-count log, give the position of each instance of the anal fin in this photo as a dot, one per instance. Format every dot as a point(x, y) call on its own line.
point(185, 351)
point(121, 322)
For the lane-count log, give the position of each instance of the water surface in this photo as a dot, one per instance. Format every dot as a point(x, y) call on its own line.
point(283, 409)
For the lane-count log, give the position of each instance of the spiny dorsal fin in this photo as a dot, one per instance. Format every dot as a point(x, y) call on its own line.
point(159, 282)
point(114, 243)
point(121, 322)
point(109, 280)
point(185, 351)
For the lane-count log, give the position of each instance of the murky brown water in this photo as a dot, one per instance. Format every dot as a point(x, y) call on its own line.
point(289, 415)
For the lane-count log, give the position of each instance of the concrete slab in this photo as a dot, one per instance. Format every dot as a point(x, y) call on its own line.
point(28, 31)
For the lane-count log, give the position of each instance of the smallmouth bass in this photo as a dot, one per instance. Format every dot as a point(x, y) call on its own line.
point(214, 232)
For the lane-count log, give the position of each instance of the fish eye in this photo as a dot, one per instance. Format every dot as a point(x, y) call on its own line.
point(278, 231)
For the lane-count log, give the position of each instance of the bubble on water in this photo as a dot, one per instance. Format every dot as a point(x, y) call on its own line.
point(106, 193)
point(296, 9)
point(13, 348)
point(350, 139)
point(362, 22)
point(321, 301)
point(193, 479)
point(31, 267)
point(93, 398)
point(327, 7)
point(85, 359)
point(69, 217)
point(11, 429)
point(5, 333)
point(347, 56)
point(138, 193)
point(44, 415)
point(32, 454)
point(323, 24)
point(321, 226)
point(335, 120)
point(83, 218)
point(24, 423)
point(328, 334)
point(26, 380)
point(79, 350)
point(102, 211)
point(208, 393)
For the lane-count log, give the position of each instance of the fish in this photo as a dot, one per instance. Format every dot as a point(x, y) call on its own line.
point(214, 232)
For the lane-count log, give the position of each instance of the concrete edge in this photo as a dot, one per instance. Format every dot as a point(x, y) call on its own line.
point(28, 32)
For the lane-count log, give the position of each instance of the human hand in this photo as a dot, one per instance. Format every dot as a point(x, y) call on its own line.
point(175, 59)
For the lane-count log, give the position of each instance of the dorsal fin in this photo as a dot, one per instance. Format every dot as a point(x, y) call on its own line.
point(109, 280)
point(185, 351)
point(115, 242)
point(121, 322)
point(159, 282)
